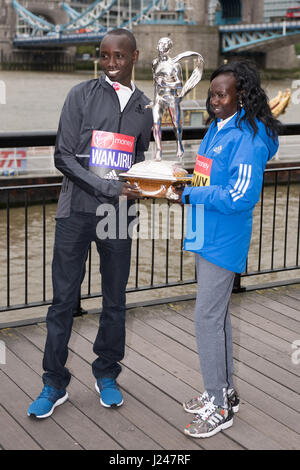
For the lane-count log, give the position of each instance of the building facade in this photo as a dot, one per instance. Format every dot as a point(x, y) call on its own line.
point(276, 10)
point(216, 12)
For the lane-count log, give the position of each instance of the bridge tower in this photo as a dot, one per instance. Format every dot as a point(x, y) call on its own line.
point(212, 12)
point(203, 35)
point(50, 11)
point(200, 31)
point(7, 25)
point(242, 11)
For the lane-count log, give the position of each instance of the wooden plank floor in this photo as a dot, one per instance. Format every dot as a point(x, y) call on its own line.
point(160, 371)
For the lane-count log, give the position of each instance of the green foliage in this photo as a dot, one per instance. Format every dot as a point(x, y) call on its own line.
point(87, 49)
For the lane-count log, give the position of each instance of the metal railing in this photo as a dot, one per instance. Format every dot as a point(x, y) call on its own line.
point(276, 232)
point(27, 232)
point(45, 138)
point(24, 278)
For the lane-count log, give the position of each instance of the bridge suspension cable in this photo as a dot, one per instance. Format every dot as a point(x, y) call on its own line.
point(99, 17)
point(98, 9)
point(89, 16)
point(72, 14)
point(34, 21)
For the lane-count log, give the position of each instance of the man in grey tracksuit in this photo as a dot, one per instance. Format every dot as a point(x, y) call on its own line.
point(93, 105)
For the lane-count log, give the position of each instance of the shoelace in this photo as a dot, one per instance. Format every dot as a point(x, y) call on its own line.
point(208, 409)
point(204, 396)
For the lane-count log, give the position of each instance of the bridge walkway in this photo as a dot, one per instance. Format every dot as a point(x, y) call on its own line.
point(160, 370)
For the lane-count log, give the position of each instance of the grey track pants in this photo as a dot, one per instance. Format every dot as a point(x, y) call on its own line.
point(213, 328)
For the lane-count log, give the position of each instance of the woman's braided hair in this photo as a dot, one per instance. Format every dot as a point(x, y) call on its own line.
point(250, 96)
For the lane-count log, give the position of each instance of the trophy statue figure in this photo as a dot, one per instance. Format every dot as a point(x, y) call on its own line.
point(156, 178)
point(169, 91)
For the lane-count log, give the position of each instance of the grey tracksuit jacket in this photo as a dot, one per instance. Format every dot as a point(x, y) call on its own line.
point(94, 105)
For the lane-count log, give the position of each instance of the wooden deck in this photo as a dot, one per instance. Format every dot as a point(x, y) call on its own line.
point(160, 370)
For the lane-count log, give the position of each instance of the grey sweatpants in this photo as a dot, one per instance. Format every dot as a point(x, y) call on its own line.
point(213, 328)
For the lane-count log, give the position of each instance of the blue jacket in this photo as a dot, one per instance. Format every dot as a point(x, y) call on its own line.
point(227, 183)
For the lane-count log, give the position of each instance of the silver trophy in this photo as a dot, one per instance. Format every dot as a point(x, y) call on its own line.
point(169, 91)
point(156, 178)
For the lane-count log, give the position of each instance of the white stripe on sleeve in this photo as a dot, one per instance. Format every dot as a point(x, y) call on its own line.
point(239, 189)
point(239, 179)
point(244, 185)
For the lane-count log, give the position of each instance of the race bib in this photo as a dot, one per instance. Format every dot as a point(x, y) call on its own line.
point(111, 151)
point(202, 171)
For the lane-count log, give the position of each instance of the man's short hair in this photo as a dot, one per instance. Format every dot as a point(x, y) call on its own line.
point(123, 32)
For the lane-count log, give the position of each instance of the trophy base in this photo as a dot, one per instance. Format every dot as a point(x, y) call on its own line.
point(156, 187)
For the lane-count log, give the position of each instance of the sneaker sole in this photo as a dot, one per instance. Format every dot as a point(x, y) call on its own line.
point(104, 404)
point(226, 425)
point(235, 409)
point(57, 403)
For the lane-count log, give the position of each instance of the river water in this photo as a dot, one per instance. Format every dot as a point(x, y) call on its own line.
point(34, 99)
point(33, 102)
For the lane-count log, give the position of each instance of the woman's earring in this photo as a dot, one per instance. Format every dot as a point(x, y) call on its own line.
point(241, 104)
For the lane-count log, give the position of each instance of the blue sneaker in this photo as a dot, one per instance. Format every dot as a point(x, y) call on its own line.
point(49, 399)
point(110, 394)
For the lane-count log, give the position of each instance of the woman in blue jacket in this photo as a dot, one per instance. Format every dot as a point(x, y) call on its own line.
point(227, 183)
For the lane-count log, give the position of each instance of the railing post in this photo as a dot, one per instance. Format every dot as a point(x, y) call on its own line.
point(237, 288)
point(79, 311)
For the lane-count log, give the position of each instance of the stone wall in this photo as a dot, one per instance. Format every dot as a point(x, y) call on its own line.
point(282, 58)
point(51, 10)
point(7, 25)
point(199, 11)
point(252, 11)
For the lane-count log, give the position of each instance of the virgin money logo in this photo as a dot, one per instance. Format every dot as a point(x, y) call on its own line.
point(113, 141)
point(104, 140)
point(203, 165)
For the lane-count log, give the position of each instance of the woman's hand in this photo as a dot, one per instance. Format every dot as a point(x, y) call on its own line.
point(174, 194)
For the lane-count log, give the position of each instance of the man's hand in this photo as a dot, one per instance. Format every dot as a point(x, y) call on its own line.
point(131, 191)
